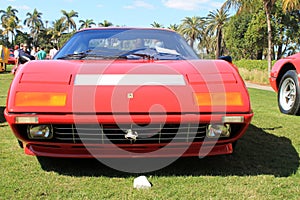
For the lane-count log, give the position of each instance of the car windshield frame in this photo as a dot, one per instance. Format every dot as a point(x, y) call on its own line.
point(126, 43)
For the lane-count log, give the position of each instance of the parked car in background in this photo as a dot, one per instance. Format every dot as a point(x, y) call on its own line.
point(11, 58)
point(285, 80)
point(128, 92)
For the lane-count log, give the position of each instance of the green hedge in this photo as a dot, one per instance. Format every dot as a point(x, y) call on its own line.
point(252, 64)
point(255, 71)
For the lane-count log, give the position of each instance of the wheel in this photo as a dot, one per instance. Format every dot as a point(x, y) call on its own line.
point(289, 94)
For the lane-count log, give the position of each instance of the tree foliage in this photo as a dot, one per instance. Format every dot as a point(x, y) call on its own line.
point(192, 28)
point(286, 32)
point(35, 23)
point(245, 35)
point(235, 35)
point(215, 22)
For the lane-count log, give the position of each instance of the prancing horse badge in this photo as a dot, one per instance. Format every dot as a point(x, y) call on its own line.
point(130, 95)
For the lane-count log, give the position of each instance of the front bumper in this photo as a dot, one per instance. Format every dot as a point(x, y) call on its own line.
point(112, 151)
point(172, 148)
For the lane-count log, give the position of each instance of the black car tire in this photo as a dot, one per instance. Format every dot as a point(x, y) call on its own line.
point(289, 93)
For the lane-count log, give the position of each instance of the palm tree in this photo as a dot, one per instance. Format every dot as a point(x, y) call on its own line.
point(68, 17)
point(9, 12)
point(268, 6)
point(191, 28)
point(46, 22)
point(105, 23)
point(86, 23)
point(10, 21)
point(34, 20)
point(289, 5)
point(57, 30)
point(215, 21)
point(239, 5)
point(35, 23)
point(10, 26)
point(157, 25)
point(174, 27)
point(207, 45)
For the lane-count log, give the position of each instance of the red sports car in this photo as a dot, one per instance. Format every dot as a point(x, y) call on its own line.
point(128, 92)
point(285, 79)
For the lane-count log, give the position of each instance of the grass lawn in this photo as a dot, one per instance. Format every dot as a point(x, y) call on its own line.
point(265, 165)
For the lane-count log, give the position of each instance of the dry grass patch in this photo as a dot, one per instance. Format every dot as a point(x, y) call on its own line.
point(255, 76)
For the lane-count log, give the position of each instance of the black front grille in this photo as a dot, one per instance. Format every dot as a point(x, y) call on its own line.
point(112, 133)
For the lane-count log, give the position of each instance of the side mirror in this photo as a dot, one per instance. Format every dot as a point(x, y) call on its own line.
point(226, 58)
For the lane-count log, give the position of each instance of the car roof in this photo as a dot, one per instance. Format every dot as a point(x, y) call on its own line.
point(124, 28)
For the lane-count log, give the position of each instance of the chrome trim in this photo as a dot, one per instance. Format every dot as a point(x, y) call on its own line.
point(129, 79)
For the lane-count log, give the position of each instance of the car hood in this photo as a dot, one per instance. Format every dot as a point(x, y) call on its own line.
point(128, 86)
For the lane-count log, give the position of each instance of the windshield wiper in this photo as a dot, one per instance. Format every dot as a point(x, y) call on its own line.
point(152, 53)
point(88, 54)
point(145, 53)
point(76, 55)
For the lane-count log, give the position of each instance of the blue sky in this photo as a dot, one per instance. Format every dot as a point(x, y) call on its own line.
point(133, 13)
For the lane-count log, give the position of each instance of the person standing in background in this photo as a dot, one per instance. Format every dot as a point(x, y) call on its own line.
point(25, 49)
point(34, 51)
point(24, 55)
point(16, 53)
point(41, 54)
point(52, 52)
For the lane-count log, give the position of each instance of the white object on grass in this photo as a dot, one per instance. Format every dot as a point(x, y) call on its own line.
point(141, 182)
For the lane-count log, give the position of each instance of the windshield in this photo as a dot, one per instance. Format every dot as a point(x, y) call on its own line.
point(122, 43)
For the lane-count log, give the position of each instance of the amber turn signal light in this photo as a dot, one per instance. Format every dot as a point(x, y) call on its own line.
point(40, 99)
point(219, 99)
